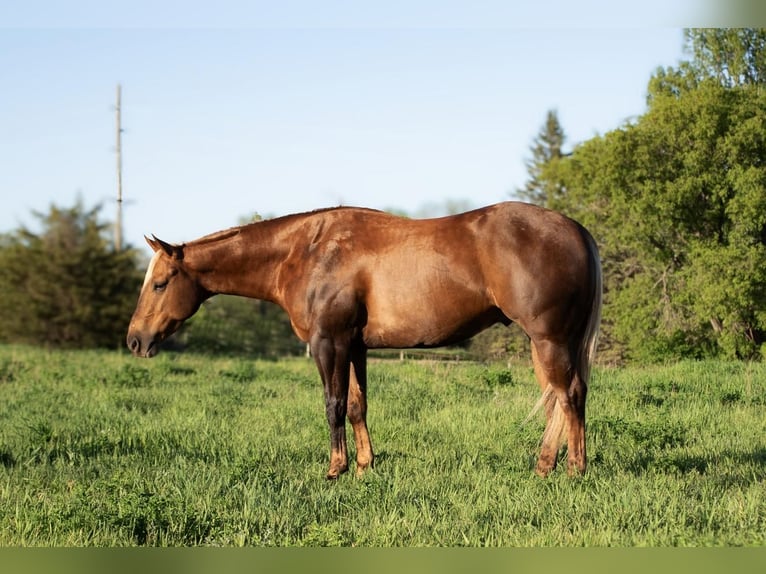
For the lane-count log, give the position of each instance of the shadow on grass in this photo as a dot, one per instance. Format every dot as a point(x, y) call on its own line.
point(750, 466)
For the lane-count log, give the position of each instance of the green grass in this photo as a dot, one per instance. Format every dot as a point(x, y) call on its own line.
point(97, 448)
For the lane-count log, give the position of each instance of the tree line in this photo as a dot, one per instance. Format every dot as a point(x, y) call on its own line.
point(66, 287)
point(676, 199)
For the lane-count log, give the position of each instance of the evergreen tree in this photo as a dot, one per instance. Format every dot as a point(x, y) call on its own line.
point(66, 286)
point(546, 150)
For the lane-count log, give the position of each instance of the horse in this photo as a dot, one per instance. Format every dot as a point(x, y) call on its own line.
point(352, 279)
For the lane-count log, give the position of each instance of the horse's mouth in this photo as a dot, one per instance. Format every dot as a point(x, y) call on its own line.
point(152, 349)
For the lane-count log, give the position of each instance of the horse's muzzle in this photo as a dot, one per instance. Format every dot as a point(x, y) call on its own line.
point(145, 347)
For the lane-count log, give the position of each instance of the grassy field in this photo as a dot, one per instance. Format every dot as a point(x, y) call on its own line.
point(101, 449)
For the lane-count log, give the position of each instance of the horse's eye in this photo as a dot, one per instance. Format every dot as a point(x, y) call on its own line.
point(159, 287)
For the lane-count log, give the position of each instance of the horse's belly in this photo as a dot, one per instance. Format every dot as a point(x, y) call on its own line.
point(426, 301)
point(428, 326)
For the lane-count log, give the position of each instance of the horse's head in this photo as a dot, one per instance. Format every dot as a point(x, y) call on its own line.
point(170, 295)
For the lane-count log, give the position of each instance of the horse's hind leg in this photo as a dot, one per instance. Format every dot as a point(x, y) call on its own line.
point(558, 375)
point(553, 435)
point(357, 409)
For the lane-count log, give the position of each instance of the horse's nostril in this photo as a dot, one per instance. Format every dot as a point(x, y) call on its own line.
point(134, 344)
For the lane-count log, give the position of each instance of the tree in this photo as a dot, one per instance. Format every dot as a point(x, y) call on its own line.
point(730, 57)
point(66, 286)
point(500, 343)
point(677, 202)
point(546, 150)
point(234, 325)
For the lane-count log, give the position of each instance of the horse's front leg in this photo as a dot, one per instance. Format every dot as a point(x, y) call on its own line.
point(357, 408)
point(332, 358)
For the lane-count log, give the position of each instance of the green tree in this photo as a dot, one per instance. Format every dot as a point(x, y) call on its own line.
point(66, 286)
point(677, 200)
point(730, 57)
point(547, 150)
point(500, 344)
point(234, 325)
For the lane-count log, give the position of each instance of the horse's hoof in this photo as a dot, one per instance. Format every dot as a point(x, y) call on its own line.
point(543, 470)
point(334, 473)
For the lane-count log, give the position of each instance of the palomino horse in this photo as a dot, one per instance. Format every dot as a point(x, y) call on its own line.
point(352, 279)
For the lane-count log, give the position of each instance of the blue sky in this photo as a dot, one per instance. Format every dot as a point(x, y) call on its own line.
point(277, 113)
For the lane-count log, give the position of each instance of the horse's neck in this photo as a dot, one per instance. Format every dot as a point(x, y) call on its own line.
point(246, 263)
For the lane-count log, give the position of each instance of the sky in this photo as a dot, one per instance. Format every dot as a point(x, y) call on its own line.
point(282, 112)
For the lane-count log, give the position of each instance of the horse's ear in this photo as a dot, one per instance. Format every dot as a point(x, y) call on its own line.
point(174, 251)
point(152, 243)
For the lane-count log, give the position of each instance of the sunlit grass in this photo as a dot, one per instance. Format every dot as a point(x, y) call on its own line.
point(98, 448)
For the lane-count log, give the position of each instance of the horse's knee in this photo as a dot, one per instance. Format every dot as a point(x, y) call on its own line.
point(354, 412)
point(336, 408)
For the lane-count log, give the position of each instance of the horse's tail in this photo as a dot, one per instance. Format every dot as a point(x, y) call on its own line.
point(586, 349)
point(587, 346)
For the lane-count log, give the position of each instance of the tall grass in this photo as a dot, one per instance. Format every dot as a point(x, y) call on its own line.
point(101, 449)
